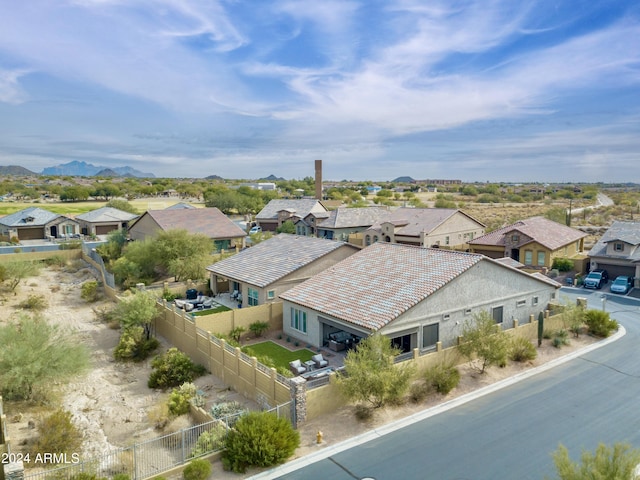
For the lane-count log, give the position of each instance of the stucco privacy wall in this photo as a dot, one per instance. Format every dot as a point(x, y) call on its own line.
point(326, 399)
point(243, 373)
point(33, 256)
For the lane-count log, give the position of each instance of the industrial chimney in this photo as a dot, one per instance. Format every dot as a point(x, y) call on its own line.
point(319, 179)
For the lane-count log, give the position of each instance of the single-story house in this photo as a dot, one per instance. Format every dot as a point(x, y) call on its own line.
point(207, 221)
point(104, 220)
point(261, 273)
point(535, 242)
point(425, 227)
point(35, 223)
point(416, 296)
point(278, 211)
point(618, 250)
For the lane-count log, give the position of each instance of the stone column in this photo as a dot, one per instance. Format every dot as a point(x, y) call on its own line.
point(298, 390)
point(14, 471)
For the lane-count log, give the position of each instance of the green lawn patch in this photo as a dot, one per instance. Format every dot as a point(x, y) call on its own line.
point(280, 355)
point(209, 311)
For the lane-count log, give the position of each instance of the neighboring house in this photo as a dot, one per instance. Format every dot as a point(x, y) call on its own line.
point(276, 212)
point(307, 226)
point(180, 205)
point(342, 222)
point(618, 250)
point(415, 296)
point(535, 242)
point(425, 227)
point(207, 221)
point(104, 220)
point(38, 224)
point(261, 273)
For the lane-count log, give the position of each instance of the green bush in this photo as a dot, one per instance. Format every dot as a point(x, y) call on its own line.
point(560, 338)
point(34, 302)
point(211, 440)
point(55, 261)
point(228, 411)
point(259, 439)
point(180, 398)
point(258, 328)
point(133, 345)
point(442, 377)
point(172, 369)
point(89, 291)
point(599, 323)
point(198, 469)
point(57, 433)
point(562, 264)
point(121, 476)
point(522, 350)
point(418, 392)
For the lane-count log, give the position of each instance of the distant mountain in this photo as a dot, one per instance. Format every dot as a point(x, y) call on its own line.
point(403, 180)
point(15, 170)
point(107, 172)
point(84, 169)
point(273, 178)
point(213, 177)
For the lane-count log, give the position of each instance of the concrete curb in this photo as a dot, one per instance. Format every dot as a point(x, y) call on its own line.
point(430, 412)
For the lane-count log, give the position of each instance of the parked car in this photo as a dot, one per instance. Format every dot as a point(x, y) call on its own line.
point(255, 229)
point(596, 279)
point(622, 284)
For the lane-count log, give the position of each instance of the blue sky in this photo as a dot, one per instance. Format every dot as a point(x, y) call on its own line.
point(485, 90)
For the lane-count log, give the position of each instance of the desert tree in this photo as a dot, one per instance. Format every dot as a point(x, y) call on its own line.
point(612, 463)
point(12, 273)
point(34, 355)
point(137, 310)
point(483, 343)
point(370, 376)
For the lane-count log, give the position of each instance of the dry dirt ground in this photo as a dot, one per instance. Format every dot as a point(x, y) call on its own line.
point(112, 403)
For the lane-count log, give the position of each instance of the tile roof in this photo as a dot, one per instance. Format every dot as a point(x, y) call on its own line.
point(353, 217)
point(376, 285)
point(272, 259)
point(547, 233)
point(628, 232)
point(209, 221)
point(106, 214)
point(414, 221)
point(301, 207)
point(40, 217)
point(180, 205)
point(510, 261)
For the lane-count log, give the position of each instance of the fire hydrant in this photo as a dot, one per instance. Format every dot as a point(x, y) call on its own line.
point(319, 437)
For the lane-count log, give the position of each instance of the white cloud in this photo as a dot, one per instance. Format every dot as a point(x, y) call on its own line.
point(10, 89)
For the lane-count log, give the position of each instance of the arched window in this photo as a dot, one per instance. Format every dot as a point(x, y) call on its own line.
point(367, 240)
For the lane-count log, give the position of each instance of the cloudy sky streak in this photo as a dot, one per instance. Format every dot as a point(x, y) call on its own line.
point(476, 90)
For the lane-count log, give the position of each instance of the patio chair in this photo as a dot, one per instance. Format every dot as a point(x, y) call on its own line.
point(296, 367)
point(319, 361)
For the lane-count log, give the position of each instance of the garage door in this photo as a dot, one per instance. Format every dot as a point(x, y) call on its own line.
point(104, 229)
point(31, 233)
point(615, 270)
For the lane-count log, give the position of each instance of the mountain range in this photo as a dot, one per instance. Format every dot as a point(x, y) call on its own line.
point(84, 169)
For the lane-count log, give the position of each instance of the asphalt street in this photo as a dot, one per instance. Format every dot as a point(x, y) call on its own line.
point(511, 433)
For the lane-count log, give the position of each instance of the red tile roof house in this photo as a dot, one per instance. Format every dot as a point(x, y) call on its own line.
point(425, 227)
point(535, 242)
point(416, 296)
point(278, 211)
point(207, 221)
point(261, 273)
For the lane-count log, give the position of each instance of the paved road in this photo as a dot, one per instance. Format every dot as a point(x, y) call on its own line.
point(509, 434)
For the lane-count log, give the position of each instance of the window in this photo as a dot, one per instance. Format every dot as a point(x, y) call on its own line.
point(521, 303)
point(618, 247)
point(446, 317)
point(534, 301)
point(542, 257)
point(515, 238)
point(68, 229)
point(446, 240)
point(253, 297)
point(496, 313)
point(528, 257)
point(430, 335)
point(467, 311)
point(375, 239)
point(367, 240)
point(271, 294)
point(299, 320)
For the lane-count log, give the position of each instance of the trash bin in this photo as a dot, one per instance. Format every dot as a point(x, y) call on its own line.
point(192, 294)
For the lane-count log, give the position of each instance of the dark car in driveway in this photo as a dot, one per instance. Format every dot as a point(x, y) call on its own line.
point(596, 279)
point(622, 284)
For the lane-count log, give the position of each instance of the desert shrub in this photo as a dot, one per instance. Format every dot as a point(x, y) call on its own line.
point(198, 469)
point(107, 315)
point(547, 334)
point(418, 392)
point(617, 462)
point(228, 411)
point(71, 245)
point(169, 296)
point(210, 441)
point(483, 344)
point(560, 338)
point(86, 476)
point(55, 261)
point(562, 264)
point(57, 433)
point(172, 369)
point(89, 291)
point(522, 350)
point(236, 334)
point(133, 345)
point(259, 439)
point(34, 302)
point(121, 476)
point(180, 398)
point(442, 377)
point(258, 328)
point(599, 323)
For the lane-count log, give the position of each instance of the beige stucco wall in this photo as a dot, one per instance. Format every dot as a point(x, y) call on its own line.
point(459, 228)
point(145, 227)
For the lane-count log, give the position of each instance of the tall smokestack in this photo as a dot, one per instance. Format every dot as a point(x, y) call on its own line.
point(319, 179)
